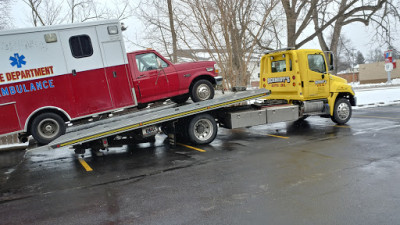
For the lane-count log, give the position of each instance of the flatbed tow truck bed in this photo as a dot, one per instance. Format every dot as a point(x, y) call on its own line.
point(84, 135)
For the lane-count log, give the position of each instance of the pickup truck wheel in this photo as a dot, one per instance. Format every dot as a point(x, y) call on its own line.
point(180, 99)
point(202, 129)
point(202, 90)
point(342, 111)
point(46, 127)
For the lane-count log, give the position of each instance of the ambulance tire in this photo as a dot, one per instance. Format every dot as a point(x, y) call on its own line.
point(202, 90)
point(342, 111)
point(46, 127)
point(180, 99)
point(202, 129)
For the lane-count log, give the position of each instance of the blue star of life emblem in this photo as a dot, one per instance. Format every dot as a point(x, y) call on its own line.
point(17, 60)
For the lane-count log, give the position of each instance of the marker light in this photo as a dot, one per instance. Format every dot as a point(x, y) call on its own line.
point(294, 77)
point(112, 30)
point(50, 37)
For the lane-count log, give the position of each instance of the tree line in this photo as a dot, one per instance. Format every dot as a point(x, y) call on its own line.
point(234, 33)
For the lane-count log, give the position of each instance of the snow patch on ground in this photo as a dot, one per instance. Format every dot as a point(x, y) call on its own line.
point(357, 85)
point(14, 146)
point(374, 97)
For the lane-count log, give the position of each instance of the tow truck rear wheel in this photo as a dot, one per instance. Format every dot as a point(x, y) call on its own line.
point(202, 129)
point(46, 127)
point(202, 90)
point(342, 111)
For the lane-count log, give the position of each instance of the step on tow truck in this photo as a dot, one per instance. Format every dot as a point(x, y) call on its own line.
point(294, 84)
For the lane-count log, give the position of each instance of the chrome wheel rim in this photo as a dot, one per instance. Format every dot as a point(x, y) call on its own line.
point(203, 129)
point(343, 111)
point(203, 92)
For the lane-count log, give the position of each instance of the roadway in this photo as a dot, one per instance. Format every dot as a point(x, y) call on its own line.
point(311, 172)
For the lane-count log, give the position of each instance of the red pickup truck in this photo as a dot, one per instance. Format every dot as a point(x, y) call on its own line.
point(55, 74)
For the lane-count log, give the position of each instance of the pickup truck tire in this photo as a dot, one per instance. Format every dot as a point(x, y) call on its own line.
point(180, 99)
point(46, 127)
point(202, 129)
point(202, 90)
point(342, 111)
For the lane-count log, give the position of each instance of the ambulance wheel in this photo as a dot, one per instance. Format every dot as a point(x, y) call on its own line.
point(180, 99)
point(202, 129)
point(46, 127)
point(342, 111)
point(202, 90)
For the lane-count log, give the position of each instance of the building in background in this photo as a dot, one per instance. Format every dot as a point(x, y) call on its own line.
point(375, 73)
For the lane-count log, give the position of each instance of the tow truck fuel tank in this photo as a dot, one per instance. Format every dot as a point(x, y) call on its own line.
point(265, 115)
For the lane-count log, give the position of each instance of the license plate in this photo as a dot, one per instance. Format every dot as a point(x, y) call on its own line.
point(149, 131)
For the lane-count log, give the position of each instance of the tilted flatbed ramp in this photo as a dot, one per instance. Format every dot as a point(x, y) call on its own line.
point(141, 119)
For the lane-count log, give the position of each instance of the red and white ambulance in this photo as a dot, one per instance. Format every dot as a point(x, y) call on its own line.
point(55, 74)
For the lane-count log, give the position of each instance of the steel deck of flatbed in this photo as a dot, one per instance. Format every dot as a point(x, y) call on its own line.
point(145, 118)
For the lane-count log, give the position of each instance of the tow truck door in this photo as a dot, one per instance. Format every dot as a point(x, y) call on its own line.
point(317, 85)
point(86, 70)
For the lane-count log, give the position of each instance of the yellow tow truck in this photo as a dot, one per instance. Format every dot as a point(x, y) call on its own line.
point(302, 78)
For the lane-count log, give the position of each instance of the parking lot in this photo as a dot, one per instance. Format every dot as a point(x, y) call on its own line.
point(310, 172)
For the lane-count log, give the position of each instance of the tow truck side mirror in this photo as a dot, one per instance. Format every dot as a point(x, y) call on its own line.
point(330, 60)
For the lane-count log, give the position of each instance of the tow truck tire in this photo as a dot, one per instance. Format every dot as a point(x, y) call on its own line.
point(46, 127)
point(202, 90)
point(342, 111)
point(180, 99)
point(202, 129)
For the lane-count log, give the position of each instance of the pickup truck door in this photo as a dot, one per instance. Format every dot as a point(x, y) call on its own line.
point(86, 70)
point(318, 80)
point(154, 77)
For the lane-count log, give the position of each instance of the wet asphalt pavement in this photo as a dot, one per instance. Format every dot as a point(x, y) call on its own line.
point(287, 173)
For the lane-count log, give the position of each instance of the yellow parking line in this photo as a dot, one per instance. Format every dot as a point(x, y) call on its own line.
point(191, 147)
point(271, 135)
point(342, 126)
point(85, 165)
point(378, 117)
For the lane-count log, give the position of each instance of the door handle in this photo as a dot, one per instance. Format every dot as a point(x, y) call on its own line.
point(323, 76)
point(114, 74)
point(311, 81)
point(73, 72)
point(141, 76)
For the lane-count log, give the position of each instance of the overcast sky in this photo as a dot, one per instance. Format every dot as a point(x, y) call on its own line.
point(360, 36)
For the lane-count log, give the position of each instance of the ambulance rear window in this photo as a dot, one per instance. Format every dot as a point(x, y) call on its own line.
point(81, 46)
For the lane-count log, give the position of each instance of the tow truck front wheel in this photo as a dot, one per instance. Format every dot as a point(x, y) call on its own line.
point(46, 127)
point(202, 129)
point(342, 111)
point(202, 90)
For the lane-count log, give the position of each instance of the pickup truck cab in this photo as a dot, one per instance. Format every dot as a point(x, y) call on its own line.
point(157, 78)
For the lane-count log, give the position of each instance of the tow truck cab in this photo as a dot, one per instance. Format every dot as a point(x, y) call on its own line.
point(302, 77)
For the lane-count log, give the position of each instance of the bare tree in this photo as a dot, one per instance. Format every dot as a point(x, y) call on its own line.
point(173, 33)
point(231, 32)
point(49, 12)
point(385, 23)
point(375, 55)
point(348, 12)
point(5, 20)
